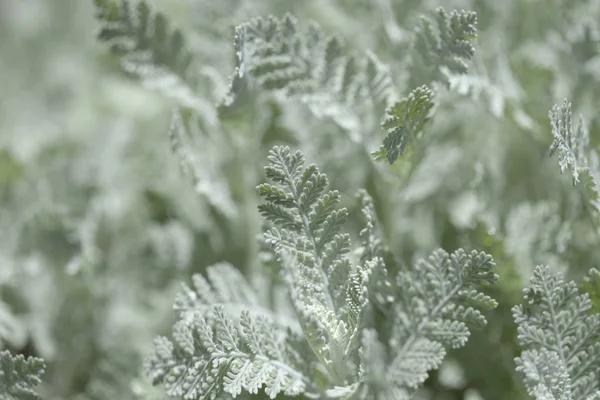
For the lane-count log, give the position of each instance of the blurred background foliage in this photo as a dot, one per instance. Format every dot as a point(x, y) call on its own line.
point(100, 226)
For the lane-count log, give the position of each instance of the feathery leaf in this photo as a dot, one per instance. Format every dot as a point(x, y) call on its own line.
point(449, 47)
point(404, 121)
point(561, 339)
point(315, 69)
point(19, 375)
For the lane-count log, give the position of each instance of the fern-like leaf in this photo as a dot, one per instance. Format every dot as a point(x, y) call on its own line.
point(224, 286)
point(574, 153)
point(404, 121)
point(19, 376)
point(571, 144)
point(591, 285)
point(328, 294)
point(434, 306)
point(302, 193)
point(150, 50)
point(315, 69)
point(449, 47)
point(217, 354)
point(561, 338)
point(436, 303)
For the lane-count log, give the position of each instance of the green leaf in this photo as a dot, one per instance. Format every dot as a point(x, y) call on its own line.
point(405, 120)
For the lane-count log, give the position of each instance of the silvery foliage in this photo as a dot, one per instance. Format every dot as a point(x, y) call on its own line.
point(572, 143)
point(225, 341)
point(322, 73)
point(317, 70)
point(142, 39)
point(561, 338)
point(443, 48)
point(557, 326)
point(404, 121)
point(84, 244)
point(19, 376)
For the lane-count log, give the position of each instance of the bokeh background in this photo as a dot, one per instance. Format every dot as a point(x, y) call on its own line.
point(100, 225)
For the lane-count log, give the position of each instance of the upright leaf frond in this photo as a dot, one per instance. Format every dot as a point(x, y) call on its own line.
point(435, 303)
point(437, 300)
point(561, 339)
point(574, 152)
point(329, 294)
point(446, 46)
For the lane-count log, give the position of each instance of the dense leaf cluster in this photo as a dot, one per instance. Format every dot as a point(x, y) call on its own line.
point(292, 289)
